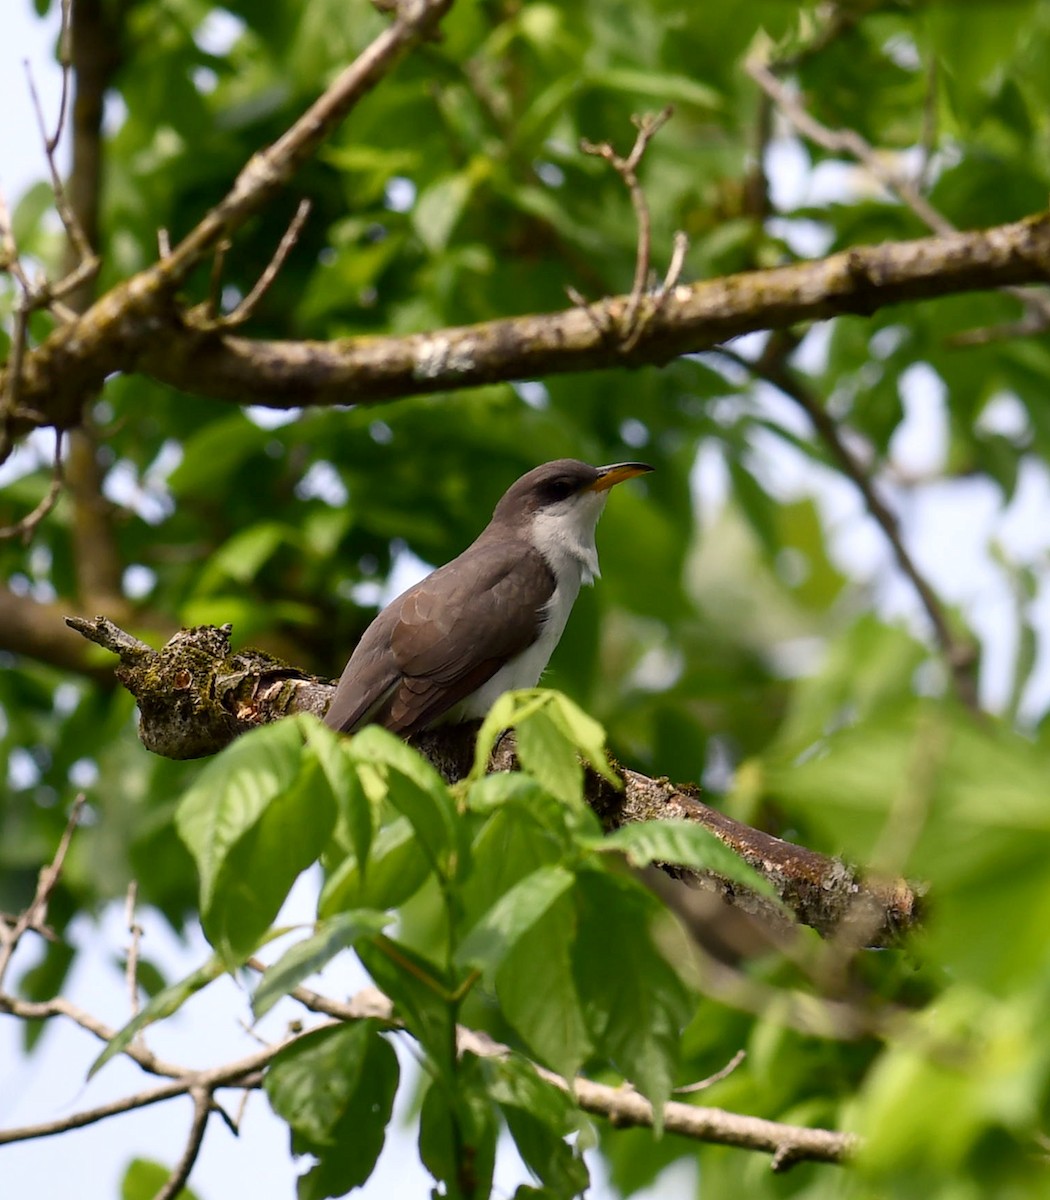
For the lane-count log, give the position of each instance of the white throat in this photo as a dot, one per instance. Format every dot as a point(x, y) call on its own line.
point(564, 534)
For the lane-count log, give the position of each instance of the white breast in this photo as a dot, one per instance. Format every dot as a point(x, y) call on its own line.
point(564, 535)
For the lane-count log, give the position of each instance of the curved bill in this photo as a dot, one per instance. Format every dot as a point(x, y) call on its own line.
point(617, 473)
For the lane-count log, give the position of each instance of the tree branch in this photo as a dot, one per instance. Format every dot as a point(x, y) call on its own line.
point(113, 333)
point(195, 697)
point(623, 1106)
point(960, 653)
point(127, 331)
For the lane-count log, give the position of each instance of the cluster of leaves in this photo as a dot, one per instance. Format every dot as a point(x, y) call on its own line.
point(517, 883)
point(688, 649)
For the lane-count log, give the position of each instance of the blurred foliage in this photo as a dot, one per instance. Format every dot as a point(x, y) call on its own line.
point(745, 633)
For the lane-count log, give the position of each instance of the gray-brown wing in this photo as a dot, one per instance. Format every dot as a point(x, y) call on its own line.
point(443, 638)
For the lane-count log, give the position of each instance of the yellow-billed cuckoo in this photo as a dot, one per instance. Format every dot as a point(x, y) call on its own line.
point(489, 620)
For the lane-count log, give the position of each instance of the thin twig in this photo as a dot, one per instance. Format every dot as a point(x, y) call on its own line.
point(87, 259)
point(648, 125)
point(674, 267)
point(959, 652)
point(848, 141)
point(717, 1077)
point(291, 235)
point(131, 966)
point(34, 917)
point(624, 1106)
point(213, 304)
point(26, 527)
point(202, 1101)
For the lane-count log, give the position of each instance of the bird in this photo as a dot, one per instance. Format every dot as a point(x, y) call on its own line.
point(488, 621)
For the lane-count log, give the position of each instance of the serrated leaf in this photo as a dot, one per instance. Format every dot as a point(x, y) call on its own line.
point(356, 819)
point(261, 866)
point(537, 991)
point(634, 1003)
point(683, 844)
point(335, 1088)
point(232, 792)
point(516, 911)
point(307, 957)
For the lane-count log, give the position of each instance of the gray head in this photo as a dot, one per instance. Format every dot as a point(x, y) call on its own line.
point(556, 507)
point(563, 486)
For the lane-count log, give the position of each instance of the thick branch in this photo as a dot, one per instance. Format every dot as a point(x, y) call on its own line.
point(115, 331)
point(960, 652)
point(196, 696)
point(691, 318)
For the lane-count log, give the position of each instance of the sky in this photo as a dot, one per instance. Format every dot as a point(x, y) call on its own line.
point(948, 527)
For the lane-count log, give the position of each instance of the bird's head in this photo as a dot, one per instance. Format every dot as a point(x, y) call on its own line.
point(557, 506)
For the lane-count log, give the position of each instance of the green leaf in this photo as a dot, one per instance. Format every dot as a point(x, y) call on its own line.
point(439, 208)
point(311, 954)
point(551, 732)
point(498, 931)
point(265, 861)
point(658, 85)
point(144, 1179)
point(683, 844)
point(396, 869)
point(335, 1088)
point(422, 996)
point(458, 1131)
point(232, 792)
point(537, 991)
point(634, 1003)
point(415, 789)
point(550, 758)
point(539, 1116)
point(162, 1005)
point(357, 817)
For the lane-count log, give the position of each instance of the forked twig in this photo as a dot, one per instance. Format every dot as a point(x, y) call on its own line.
point(634, 323)
point(848, 141)
point(208, 316)
point(26, 527)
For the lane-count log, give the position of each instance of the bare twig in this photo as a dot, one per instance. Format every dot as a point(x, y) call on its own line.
point(723, 1073)
point(960, 653)
point(291, 235)
point(674, 267)
point(210, 316)
point(848, 141)
point(88, 262)
point(624, 1106)
point(648, 125)
point(213, 305)
point(131, 966)
point(35, 915)
point(202, 1104)
point(26, 527)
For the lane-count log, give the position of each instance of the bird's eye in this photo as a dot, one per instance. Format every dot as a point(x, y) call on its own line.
point(560, 489)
